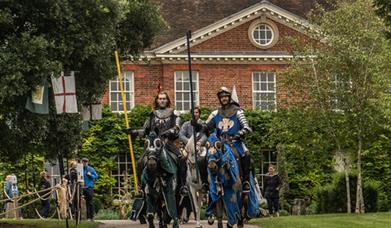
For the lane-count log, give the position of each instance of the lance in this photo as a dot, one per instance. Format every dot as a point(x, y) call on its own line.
point(121, 86)
point(188, 37)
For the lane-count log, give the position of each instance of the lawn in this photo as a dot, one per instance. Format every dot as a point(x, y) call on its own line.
point(370, 220)
point(46, 223)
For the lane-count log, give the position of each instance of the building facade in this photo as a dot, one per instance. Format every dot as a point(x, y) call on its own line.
point(246, 49)
point(234, 43)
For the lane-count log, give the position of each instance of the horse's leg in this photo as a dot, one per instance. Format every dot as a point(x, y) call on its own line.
point(219, 213)
point(194, 200)
point(199, 203)
point(243, 210)
point(162, 214)
point(151, 204)
point(170, 200)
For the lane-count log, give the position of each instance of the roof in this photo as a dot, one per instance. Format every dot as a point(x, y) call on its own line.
point(184, 15)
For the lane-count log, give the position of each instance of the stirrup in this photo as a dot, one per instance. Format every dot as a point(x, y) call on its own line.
point(246, 187)
point(204, 188)
point(211, 220)
point(184, 191)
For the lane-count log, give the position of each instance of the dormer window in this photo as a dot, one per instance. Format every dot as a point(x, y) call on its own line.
point(263, 34)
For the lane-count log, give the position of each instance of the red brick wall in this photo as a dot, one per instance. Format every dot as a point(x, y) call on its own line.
point(211, 78)
point(237, 39)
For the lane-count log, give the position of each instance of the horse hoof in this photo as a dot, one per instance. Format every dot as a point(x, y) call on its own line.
point(220, 224)
point(175, 224)
point(211, 220)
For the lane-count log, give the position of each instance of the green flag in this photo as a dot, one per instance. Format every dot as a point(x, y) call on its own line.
point(38, 101)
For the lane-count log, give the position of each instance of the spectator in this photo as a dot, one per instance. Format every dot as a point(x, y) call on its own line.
point(90, 177)
point(272, 187)
point(74, 187)
point(45, 184)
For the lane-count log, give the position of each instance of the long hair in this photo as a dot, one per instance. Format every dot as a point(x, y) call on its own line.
point(197, 108)
point(156, 105)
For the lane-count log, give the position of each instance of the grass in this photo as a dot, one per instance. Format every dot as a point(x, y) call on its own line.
point(370, 220)
point(52, 223)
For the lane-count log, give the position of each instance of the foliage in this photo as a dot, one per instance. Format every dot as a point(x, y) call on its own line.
point(331, 198)
point(342, 78)
point(384, 10)
point(141, 23)
point(107, 214)
point(105, 140)
point(305, 156)
point(38, 38)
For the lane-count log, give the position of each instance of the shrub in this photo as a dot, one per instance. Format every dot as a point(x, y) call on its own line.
point(107, 214)
point(283, 213)
point(332, 197)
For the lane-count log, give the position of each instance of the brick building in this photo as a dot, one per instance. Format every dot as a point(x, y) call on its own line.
point(241, 43)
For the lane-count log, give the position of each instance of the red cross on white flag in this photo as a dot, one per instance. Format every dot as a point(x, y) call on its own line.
point(65, 93)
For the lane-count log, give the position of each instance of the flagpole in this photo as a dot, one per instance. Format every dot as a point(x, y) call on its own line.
point(126, 121)
point(188, 36)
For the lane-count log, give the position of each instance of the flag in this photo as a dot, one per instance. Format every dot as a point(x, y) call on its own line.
point(159, 88)
point(38, 102)
point(65, 93)
point(234, 96)
point(92, 112)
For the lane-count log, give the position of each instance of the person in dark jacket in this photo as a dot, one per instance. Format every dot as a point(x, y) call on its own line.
point(272, 187)
point(45, 184)
point(73, 184)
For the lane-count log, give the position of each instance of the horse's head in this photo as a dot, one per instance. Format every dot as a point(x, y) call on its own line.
point(153, 146)
point(214, 147)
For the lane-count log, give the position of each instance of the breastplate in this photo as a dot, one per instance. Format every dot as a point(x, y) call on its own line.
point(163, 119)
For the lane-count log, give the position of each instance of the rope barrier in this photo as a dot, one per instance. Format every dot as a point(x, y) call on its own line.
point(26, 204)
point(39, 196)
point(17, 198)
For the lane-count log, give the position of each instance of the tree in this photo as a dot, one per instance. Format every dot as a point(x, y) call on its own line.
point(384, 10)
point(343, 76)
point(41, 37)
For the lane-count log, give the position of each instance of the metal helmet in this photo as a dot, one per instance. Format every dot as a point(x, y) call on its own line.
point(224, 91)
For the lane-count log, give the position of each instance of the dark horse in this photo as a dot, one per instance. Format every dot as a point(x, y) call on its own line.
point(159, 179)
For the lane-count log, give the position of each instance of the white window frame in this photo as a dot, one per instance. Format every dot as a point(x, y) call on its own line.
point(195, 78)
point(268, 23)
point(263, 32)
point(127, 77)
point(254, 92)
point(336, 85)
point(120, 173)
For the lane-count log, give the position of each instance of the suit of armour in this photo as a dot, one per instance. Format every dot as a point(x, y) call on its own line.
point(231, 126)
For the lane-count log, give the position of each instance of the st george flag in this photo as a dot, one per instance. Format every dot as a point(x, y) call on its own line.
point(38, 102)
point(65, 93)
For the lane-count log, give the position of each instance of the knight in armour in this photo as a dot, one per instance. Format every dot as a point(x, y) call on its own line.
point(186, 133)
point(165, 122)
point(231, 126)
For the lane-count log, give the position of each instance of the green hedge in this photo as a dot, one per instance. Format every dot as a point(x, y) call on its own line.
point(332, 197)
